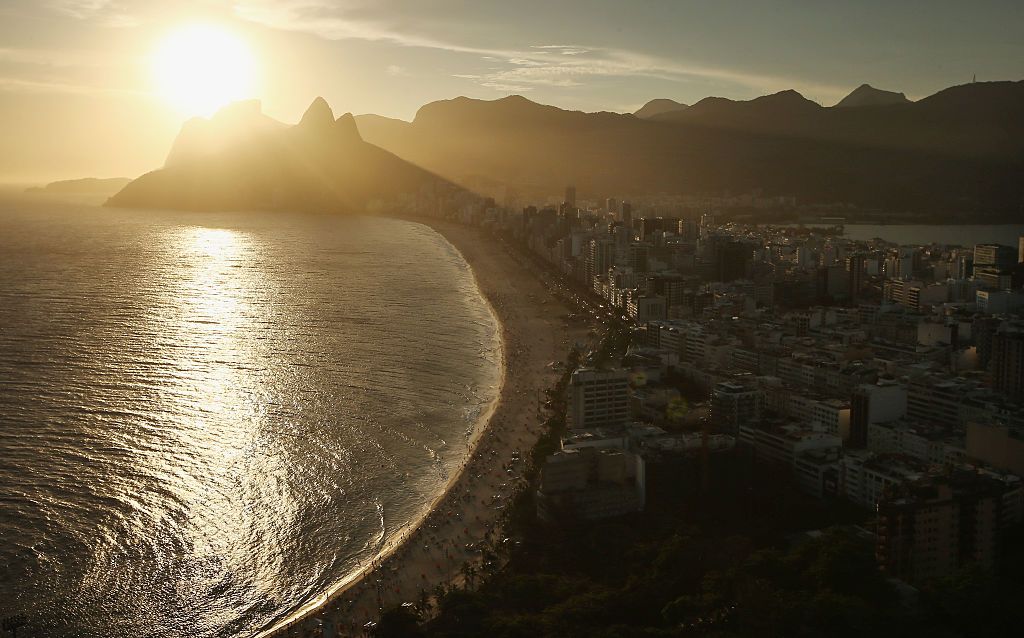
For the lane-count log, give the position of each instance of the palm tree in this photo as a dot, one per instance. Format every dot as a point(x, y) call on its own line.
point(423, 602)
point(468, 572)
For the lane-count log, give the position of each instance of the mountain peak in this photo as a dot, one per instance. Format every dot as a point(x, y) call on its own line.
point(319, 114)
point(867, 95)
point(345, 127)
point(786, 96)
point(659, 106)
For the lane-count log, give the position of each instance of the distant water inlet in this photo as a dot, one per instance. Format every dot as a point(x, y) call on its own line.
point(206, 420)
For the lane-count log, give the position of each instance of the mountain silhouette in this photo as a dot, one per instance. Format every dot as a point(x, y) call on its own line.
point(241, 159)
point(83, 186)
point(659, 106)
point(867, 95)
point(961, 149)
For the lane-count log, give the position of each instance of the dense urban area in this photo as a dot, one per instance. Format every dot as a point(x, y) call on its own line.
point(782, 432)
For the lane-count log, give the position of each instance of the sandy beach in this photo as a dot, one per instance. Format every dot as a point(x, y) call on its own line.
point(434, 550)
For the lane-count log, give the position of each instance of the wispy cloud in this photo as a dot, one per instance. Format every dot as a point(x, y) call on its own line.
point(110, 13)
point(22, 85)
point(511, 70)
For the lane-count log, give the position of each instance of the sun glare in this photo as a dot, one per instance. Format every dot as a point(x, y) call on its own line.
point(201, 68)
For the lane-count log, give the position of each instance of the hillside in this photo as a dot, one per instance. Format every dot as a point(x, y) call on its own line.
point(961, 149)
point(84, 186)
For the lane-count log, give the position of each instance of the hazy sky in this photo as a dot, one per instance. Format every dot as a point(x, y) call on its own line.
point(78, 97)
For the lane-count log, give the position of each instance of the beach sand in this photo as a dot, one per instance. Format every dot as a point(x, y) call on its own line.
point(433, 550)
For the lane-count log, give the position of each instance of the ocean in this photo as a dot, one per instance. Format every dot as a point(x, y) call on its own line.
point(208, 419)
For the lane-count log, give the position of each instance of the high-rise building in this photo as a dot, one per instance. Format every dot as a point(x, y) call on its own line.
point(611, 206)
point(993, 278)
point(855, 274)
point(1020, 249)
point(934, 526)
point(627, 214)
point(570, 196)
point(996, 255)
point(1008, 361)
point(598, 398)
point(599, 257)
point(734, 404)
point(687, 229)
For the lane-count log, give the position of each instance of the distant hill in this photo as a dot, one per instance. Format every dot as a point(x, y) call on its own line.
point(240, 159)
point(867, 95)
point(84, 186)
point(659, 106)
point(961, 149)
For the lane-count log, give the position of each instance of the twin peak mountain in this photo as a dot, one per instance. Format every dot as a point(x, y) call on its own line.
point(241, 159)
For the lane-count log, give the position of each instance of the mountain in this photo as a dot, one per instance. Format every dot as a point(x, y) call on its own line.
point(200, 137)
point(240, 159)
point(867, 95)
point(961, 149)
point(84, 186)
point(659, 106)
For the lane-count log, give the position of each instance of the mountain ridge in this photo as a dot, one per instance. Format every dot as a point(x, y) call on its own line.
point(659, 106)
point(961, 149)
point(958, 149)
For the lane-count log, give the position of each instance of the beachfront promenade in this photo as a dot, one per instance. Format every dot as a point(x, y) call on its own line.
point(445, 547)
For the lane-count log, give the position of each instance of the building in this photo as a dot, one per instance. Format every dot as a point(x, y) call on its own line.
point(646, 308)
point(996, 255)
point(999, 446)
point(855, 272)
point(1008, 361)
point(598, 398)
point(600, 255)
point(994, 302)
point(932, 527)
point(591, 483)
point(993, 278)
point(884, 401)
point(783, 443)
point(935, 445)
point(865, 476)
point(734, 404)
point(570, 196)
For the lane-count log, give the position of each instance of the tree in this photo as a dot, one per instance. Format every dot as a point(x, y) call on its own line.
point(399, 622)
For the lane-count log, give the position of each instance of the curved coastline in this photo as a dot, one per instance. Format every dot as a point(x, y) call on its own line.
point(498, 279)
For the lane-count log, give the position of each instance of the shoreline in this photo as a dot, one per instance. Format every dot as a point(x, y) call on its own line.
point(528, 334)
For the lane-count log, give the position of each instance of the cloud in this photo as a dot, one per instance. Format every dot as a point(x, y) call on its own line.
point(550, 65)
point(394, 69)
point(109, 13)
point(22, 85)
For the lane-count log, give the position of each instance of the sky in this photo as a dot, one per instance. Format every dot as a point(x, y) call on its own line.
point(78, 96)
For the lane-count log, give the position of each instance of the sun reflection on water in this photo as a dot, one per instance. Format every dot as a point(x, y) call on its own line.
point(217, 294)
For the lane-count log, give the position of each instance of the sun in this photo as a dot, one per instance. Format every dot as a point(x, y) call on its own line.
point(200, 68)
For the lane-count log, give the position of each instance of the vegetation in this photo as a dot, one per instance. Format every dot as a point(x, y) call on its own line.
point(725, 563)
